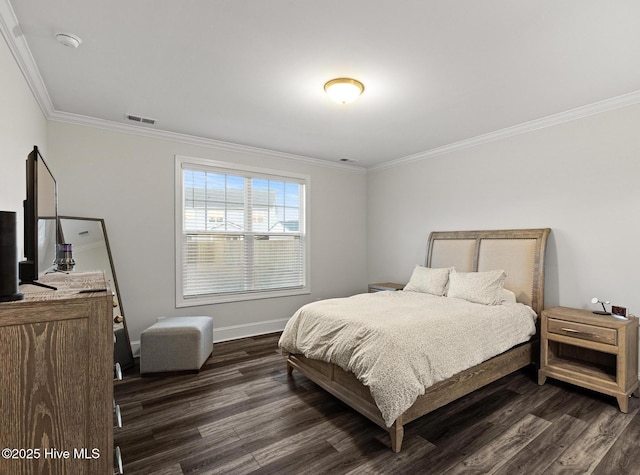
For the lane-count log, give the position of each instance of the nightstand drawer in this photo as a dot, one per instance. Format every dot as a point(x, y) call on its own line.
point(608, 336)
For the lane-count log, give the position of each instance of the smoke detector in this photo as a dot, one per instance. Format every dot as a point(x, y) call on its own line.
point(68, 39)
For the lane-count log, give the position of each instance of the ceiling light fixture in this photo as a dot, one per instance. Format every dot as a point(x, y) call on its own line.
point(68, 39)
point(344, 90)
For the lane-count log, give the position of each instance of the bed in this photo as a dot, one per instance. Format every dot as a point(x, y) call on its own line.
point(520, 253)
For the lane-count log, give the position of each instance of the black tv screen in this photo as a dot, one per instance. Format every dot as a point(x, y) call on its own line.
point(40, 220)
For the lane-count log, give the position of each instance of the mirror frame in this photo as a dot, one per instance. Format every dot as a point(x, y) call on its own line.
point(116, 288)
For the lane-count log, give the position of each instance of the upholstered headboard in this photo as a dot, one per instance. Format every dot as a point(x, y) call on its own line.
point(519, 252)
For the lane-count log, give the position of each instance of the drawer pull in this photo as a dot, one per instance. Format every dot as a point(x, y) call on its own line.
point(583, 331)
point(117, 372)
point(577, 332)
point(118, 462)
point(118, 414)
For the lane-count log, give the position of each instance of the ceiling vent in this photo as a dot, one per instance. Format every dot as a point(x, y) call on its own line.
point(142, 120)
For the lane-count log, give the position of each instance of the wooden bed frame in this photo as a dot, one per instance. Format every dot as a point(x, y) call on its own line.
point(520, 253)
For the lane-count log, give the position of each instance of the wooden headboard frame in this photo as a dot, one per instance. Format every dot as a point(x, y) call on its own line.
point(519, 252)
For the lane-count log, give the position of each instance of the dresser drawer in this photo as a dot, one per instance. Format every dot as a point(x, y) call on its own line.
point(608, 336)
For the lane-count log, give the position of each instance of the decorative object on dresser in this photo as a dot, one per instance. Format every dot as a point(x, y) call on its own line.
point(518, 252)
point(64, 258)
point(385, 286)
point(597, 352)
point(56, 387)
point(88, 236)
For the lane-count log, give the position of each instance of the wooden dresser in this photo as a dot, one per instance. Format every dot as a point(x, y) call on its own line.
point(56, 378)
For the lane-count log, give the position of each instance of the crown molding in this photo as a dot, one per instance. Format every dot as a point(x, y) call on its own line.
point(19, 48)
point(12, 33)
point(82, 120)
point(549, 121)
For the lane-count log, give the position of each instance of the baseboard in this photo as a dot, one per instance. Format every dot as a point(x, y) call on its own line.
point(245, 330)
point(235, 332)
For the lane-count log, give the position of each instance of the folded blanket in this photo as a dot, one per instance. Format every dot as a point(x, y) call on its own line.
point(400, 343)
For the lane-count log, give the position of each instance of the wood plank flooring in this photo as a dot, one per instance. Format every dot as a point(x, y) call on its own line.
point(242, 414)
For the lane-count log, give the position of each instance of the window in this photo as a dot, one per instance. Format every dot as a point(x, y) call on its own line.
point(240, 233)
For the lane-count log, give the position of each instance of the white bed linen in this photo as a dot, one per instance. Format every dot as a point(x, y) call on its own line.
point(400, 343)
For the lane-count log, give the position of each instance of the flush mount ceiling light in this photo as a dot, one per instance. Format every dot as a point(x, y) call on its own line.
point(68, 39)
point(344, 90)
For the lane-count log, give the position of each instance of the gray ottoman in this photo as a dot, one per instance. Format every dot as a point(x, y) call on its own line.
point(176, 344)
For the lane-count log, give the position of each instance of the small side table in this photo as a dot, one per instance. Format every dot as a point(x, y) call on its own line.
point(598, 352)
point(385, 286)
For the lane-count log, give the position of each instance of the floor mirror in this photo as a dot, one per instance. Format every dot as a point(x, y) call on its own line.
point(91, 252)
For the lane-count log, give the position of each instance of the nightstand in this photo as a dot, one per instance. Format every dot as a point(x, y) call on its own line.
point(384, 286)
point(598, 352)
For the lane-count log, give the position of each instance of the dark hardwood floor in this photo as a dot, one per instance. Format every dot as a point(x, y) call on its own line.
point(242, 414)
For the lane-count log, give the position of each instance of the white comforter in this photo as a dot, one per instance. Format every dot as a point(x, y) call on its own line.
point(400, 343)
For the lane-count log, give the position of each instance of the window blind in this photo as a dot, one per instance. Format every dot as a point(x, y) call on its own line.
point(242, 232)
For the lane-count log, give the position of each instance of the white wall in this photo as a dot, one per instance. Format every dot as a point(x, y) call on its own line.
point(22, 125)
point(129, 181)
point(580, 178)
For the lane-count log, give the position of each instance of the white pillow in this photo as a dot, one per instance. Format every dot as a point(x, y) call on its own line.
point(479, 287)
point(508, 297)
point(428, 280)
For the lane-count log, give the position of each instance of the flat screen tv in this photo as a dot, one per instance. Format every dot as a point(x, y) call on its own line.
point(40, 221)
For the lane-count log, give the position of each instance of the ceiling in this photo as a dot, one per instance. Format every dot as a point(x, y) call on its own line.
point(252, 72)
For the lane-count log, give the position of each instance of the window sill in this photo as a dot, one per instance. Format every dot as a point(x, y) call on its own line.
point(227, 298)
